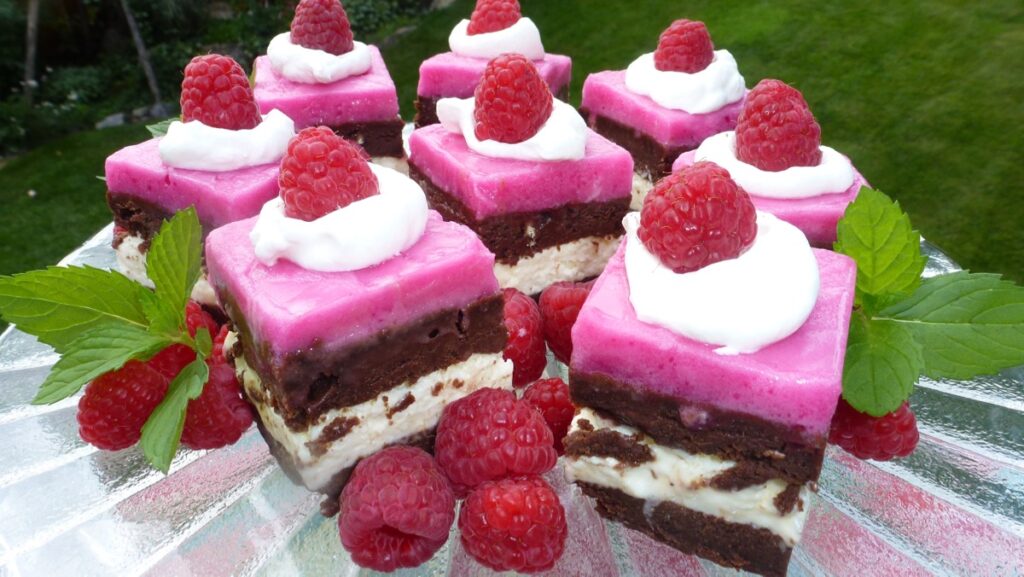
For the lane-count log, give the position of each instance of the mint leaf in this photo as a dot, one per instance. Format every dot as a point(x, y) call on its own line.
point(877, 234)
point(59, 304)
point(883, 361)
point(967, 324)
point(99, 350)
point(204, 342)
point(160, 128)
point(161, 434)
point(173, 264)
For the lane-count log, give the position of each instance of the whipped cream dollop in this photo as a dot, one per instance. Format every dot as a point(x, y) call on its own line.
point(698, 93)
point(523, 37)
point(360, 235)
point(196, 146)
point(833, 175)
point(312, 66)
point(742, 304)
point(563, 136)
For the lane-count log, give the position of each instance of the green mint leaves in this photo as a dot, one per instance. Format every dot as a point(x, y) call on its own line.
point(98, 320)
point(160, 128)
point(959, 325)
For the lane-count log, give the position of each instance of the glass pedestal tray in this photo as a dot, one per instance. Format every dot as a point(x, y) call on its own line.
point(955, 507)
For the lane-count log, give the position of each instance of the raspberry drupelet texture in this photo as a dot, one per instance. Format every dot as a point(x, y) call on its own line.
point(685, 46)
point(396, 510)
point(171, 360)
point(878, 438)
point(514, 525)
point(493, 15)
point(322, 25)
point(322, 172)
point(512, 100)
point(217, 93)
point(116, 405)
point(551, 397)
point(490, 435)
point(219, 416)
point(776, 129)
point(560, 304)
point(525, 347)
point(697, 217)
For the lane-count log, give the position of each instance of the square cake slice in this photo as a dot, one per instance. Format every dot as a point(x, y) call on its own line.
point(713, 454)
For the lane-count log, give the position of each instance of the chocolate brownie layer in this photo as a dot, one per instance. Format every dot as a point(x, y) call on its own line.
point(763, 450)
point(383, 138)
point(138, 217)
point(652, 158)
point(426, 107)
point(729, 544)
point(517, 235)
point(306, 384)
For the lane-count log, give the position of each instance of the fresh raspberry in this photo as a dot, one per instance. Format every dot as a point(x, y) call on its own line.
point(560, 304)
point(525, 347)
point(219, 416)
point(490, 435)
point(217, 354)
point(493, 15)
point(116, 405)
point(551, 398)
point(514, 525)
point(879, 438)
point(776, 130)
point(697, 217)
point(512, 101)
point(322, 172)
point(685, 46)
point(322, 25)
point(396, 510)
point(171, 360)
point(217, 93)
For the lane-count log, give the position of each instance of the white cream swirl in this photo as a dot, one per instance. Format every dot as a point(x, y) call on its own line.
point(311, 66)
point(834, 174)
point(523, 37)
point(742, 304)
point(360, 235)
point(196, 146)
point(698, 93)
point(563, 136)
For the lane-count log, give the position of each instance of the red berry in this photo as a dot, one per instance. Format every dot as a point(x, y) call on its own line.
point(322, 172)
point(560, 304)
point(685, 46)
point(322, 25)
point(396, 510)
point(217, 93)
point(525, 347)
point(490, 435)
point(171, 360)
point(512, 101)
point(514, 525)
point(196, 317)
point(776, 129)
point(551, 398)
point(697, 217)
point(217, 354)
point(219, 416)
point(493, 15)
point(879, 438)
point(116, 405)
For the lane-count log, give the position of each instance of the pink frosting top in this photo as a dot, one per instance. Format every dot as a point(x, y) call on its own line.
point(451, 75)
point(492, 186)
point(365, 98)
point(816, 216)
point(219, 197)
point(796, 381)
point(288, 308)
point(605, 93)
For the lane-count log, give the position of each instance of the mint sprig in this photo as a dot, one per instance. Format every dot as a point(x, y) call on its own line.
point(161, 434)
point(160, 128)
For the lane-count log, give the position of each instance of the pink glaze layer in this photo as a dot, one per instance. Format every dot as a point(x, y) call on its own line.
point(219, 197)
point(288, 308)
point(449, 75)
point(365, 98)
point(492, 186)
point(605, 94)
point(795, 382)
point(816, 216)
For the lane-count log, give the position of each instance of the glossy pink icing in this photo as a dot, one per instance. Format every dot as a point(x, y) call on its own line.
point(454, 76)
point(605, 93)
point(219, 197)
point(364, 98)
point(288, 308)
point(492, 186)
point(816, 216)
point(796, 381)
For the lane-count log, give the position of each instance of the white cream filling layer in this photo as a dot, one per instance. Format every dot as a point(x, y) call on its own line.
point(682, 478)
point(132, 263)
point(397, 164)
point(573, 261)
point(311, 66)
point(642, 185)
point(196, 146)
point(699, 92)
point(523, 37)
point(375, 429)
